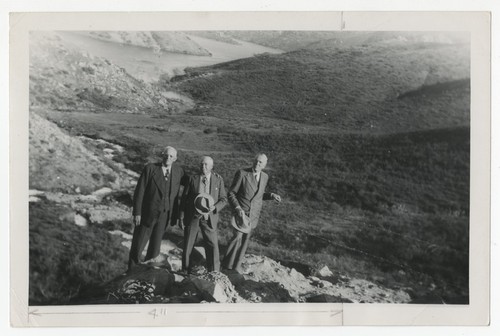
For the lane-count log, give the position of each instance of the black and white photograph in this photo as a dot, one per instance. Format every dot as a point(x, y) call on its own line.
point(207, 167)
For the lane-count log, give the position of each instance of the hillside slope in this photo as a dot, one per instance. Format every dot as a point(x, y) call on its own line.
point(63, 77)
point(59, 161)
point(329, 86)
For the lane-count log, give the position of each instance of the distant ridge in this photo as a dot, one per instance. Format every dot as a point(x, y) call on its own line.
point(175, 42)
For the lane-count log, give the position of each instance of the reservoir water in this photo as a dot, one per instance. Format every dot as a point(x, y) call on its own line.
point(148, 65)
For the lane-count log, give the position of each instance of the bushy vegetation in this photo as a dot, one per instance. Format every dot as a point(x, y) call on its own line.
point(354, 89)
point(396, 204)
point(428, 171)
point(65, 259)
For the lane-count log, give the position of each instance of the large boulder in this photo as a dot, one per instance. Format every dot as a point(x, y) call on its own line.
point(217, 287)
point(262, 269)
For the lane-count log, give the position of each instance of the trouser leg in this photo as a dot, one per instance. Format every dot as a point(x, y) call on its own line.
point(190, 233)
point(245, 240)
point(156, 238)
point(139, 239)
point(211, 245)
point(232, 251)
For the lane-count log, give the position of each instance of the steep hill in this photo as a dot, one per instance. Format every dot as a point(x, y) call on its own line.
point(63, 77)
point(362, 88)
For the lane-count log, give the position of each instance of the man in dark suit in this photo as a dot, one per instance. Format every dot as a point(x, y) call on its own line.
point(246, 195)
point(208, 187)
point(156, 204)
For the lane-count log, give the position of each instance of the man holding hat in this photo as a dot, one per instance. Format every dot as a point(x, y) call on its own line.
point(246, 195)
point(203, 198)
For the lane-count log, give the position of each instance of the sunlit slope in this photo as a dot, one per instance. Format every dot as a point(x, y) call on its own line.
point(362, 88)
point(63, 77)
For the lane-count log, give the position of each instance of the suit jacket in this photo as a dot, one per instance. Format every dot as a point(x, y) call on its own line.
point(217, 191)
point(248, 194)
point(151, 197)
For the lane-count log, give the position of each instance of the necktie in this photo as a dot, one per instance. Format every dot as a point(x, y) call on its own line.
point(205, 184)
point(166, 175)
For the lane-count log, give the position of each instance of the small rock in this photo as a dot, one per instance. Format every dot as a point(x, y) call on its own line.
point(102, 192)
point(175, 263)
point(314, 279)
point(34, 192)
point(80, 220)
point(317, 282)
point(324, 272)
point(121, 233)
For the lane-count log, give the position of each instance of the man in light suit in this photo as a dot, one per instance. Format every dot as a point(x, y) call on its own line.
point(210, 187)
point(246, 195)
point(156, 204)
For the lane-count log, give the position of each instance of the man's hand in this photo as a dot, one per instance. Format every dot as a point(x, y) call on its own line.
point(212, 208)
point(180, 222)
point(137, 220)
point(241, 213)
point(276, 197)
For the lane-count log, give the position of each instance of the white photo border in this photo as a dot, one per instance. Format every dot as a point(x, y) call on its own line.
point(476, 313)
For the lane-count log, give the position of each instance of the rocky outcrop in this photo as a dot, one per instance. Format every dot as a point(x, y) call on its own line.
point(260, 269)
point(264, 280)
point(64, 77)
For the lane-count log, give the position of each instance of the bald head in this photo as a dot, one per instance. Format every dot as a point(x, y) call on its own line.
point(259, 162)
point(169, 156)
point(206, 165)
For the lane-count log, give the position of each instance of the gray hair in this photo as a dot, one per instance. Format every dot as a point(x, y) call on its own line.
point(165, 150)
point(260, 154)
point(207, 157)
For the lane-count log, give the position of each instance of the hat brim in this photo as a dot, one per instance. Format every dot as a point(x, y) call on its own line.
point(241, 224)
point(200, 208)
